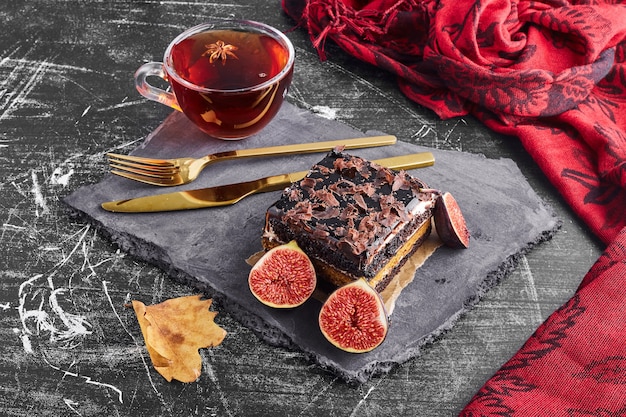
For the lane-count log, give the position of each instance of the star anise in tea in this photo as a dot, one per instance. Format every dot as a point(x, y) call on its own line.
point(220, 50)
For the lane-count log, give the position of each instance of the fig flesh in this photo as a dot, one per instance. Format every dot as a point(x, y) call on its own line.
point(449, 222)
point(284, 277)
point(353, 318)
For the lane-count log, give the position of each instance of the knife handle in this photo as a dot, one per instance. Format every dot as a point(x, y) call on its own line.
point(406, 162)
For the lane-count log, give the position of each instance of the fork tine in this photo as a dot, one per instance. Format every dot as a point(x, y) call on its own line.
point(146, 170)
point(148, 173)
point(158, 180)
point(121, 164)
point(139, 160)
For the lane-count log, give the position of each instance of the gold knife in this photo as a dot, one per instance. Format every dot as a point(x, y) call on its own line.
point(224, 195)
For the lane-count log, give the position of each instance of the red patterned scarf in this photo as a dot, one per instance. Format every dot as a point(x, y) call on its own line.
point(553, 74)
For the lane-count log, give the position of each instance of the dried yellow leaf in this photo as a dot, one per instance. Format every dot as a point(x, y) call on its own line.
point(174, 330)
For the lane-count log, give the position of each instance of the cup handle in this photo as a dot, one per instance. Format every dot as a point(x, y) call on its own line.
point(151, 92)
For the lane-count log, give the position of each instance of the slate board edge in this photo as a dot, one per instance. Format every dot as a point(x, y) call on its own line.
point(145, 251)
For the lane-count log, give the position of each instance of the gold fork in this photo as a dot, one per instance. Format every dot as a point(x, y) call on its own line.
point(169, 172)
point(224, 195)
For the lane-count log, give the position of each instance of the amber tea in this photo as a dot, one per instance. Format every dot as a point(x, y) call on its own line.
point(230, 81)
point(228, 59)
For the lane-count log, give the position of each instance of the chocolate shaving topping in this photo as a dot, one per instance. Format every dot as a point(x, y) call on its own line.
point(342, 164)
point(294, 194)
point(360, 201)
point(400, 182)
point(363, 168)
point(343, 187)
point(328, 213)
point(350, 211)
point(302, 211)
point(327, 197)
point(387, 218)
point(351, 204)
point(368, 189)
point(308, 182)
point(324, 170)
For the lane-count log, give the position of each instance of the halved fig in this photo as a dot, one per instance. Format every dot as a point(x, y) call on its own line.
point(353, 318)
point(284, 277)
point(450, 222)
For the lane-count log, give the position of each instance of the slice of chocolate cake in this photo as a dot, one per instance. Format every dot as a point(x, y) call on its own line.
point(353, 218)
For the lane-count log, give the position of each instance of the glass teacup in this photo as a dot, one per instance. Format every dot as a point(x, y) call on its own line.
point(228, 77)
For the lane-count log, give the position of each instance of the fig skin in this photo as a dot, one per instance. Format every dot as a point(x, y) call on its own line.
point(450, 223)
point(284, 277)
point(353, 318)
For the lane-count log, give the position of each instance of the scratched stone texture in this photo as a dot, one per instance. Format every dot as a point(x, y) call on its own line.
point(69, 344)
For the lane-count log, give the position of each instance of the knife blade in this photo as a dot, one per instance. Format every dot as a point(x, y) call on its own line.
point(224, 195)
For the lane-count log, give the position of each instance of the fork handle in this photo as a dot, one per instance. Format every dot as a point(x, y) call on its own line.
point(299, 148)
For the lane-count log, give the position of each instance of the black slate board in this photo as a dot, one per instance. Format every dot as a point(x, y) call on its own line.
point(207, 248)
